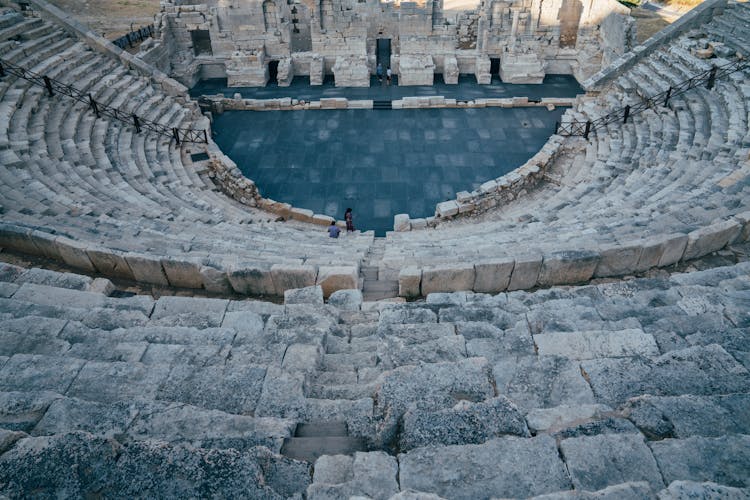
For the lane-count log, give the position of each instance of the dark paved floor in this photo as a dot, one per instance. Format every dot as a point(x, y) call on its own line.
point(379, 163)
point(553, 86)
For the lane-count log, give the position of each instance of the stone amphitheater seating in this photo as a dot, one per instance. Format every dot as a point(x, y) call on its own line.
point(631, 389)
point(101, 197)
point(670, 184)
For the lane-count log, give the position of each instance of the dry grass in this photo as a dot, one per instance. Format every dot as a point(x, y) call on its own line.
point(111, 18)
point(648, 23)
point(681, 4)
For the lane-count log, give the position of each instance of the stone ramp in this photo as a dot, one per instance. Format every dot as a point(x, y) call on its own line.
point(632, 389)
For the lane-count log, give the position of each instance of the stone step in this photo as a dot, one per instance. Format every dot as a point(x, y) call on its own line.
point(309, 449)
point(380, 289)
point(321, 429)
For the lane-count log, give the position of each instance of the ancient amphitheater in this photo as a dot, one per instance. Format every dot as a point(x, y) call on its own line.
point(577, 328)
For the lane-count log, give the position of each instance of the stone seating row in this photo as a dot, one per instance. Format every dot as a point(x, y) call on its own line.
point(96, 181)
point(665, 172)
point(636, 388)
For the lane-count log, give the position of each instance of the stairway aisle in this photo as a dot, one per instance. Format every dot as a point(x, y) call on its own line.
point(373, 287)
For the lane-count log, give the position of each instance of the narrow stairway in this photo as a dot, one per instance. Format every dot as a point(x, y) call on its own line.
point(374, 288)
point(314, 439)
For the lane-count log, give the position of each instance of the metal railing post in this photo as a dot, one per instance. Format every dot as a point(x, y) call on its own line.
point(627, 114)
point(205, 136)
point(557, 127)
point(2, 69)
point(711, 78)
point(130, 41)
point(137, 124)
point(588, 129)
point(176, 135)
point(669, 94)
point(48, 84)
point(94, 106)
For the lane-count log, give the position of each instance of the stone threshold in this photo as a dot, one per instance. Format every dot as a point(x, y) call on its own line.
point(219, 103)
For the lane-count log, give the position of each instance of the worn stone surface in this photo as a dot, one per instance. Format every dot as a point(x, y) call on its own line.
point(724, 460)
point(596, 344)
point(595, 462)
point(695, 370)
point(347, 300)
point(708, 490)
point(567, 267)
point(465, 423)
point(332, 278)
point(447, 278)
point(502, 467)
point(308, 295)
point(545, 381)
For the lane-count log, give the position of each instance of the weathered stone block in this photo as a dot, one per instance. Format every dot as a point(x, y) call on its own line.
point(347, 300)
point(183, 273)
point(147, 269)
point(711, 238)
point(447, 278)
point(332, 278)
point(618, 259)
point(525, 272)
point(251, 279)
point(568, 267)
point(308, 295)
point(493, 276)
point(409, 282)
point(401, 223)
point(110, 263)
point(288, 276)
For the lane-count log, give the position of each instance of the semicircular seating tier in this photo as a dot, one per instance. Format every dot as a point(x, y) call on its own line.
point(632, 387)
point(671, 183)
point(94, 193)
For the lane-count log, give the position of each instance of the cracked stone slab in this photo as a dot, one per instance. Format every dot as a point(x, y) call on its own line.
point(366, 475)
point(502, 467)
point(70, 414)
point(233, 389)
point(724, 460)
point(21, 411)
point(33, 372)
point(595, 462)
point(189, 311)
point(117, 381)
point(695, 370)
point(539, 382)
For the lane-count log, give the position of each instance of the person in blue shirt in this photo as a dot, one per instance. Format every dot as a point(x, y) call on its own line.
point(333, 230)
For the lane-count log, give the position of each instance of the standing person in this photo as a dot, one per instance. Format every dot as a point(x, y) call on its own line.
point(349, 220)
point(333, 230)
point(379, 72)
point(388, 75)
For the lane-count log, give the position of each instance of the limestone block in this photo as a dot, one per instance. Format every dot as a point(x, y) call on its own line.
point(290, 276)
point(549, 420)
point(418, 223)
point(74, 254)
point(409, 282)
point(521, 68)
point(215, 280)
point(567, 267)
point(183, 273)
point(447, 209)
point(322, 220)
point(618, 259)
point(691, 489)
point(711, 238)
point(308, 295)
point(46, 244)
point(332, 278)
point(303, 358)
point(482, 72)
point(110, 263)
point(401, 223)
point(102, 285)
point(450, 70)
point(488, 470)
point(147, 269)
point(447, 278)
point(595, 462)
point(317, 72)
point(347, 300)
point(744, 220)
point(251, 279)
point(525, 272)
point(17, 238)
point(416, 69)
point(596, 344)
point(672, 249)
point(493, 276)
point(285, 72)
point(351, 71)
